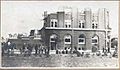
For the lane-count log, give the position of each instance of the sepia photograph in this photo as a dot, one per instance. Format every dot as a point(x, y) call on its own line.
point(62, 34)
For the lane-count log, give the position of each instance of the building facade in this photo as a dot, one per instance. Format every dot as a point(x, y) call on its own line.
point(21, 40)
point(80, 30)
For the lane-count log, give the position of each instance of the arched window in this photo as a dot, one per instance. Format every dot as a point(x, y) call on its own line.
point(95, 39)
point(67, 39)
point(53, 38)
point(81, 39)
point(53, 41)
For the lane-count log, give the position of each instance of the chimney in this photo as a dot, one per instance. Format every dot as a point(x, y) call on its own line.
point(45, 14)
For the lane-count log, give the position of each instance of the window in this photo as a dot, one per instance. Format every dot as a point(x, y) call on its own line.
point(69, 26)
point(95, 40)
point(83, 48)
point(53, 23)
point(81, 24)
point(79, 48)
point(67, 39)
point(94, 25)
point(81, 39)
point(68, 23)
point(52, 38)
point(66, 26)
point(65, 48)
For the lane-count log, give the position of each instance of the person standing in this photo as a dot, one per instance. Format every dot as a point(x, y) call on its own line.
point(23, 49)
point(36, 49)
point(29, 49)
point(39, 50)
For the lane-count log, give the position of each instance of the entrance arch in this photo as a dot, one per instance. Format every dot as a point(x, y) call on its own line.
point(53, 42)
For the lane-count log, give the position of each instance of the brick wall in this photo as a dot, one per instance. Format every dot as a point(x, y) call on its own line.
point(88, 35)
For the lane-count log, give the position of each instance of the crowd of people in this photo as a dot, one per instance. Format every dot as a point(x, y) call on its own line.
point(25, 49)
point(38, 50)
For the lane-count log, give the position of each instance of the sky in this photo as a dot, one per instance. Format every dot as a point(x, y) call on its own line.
point(22, 16)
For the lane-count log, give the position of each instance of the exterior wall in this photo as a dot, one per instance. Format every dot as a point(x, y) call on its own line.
point(20, 42)
point(47, 21)
point(88, 35)
point(53, 16)
point(102, 14)
point(88, 16)
point(101, 17)
point(60, 17)
point(48, 18)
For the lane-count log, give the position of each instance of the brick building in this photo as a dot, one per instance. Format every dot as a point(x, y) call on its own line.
point(20, 39)
point(81, 30)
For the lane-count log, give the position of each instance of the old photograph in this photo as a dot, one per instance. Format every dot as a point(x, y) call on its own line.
point(59, 34)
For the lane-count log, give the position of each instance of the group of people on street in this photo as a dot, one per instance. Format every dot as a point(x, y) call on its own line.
point(8, 48)
point(37, 49)
point(25, 50)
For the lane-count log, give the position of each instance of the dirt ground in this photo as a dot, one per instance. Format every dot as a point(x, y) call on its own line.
point(55, 60)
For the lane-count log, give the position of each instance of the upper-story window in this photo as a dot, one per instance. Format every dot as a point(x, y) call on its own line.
point(94, 25)
point(81, 24)
point(53, 22)
point(67, 23)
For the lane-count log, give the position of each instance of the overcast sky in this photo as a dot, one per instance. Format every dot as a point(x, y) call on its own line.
point(22, 16)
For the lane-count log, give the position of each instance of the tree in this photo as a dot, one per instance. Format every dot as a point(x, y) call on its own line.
point(19, 36)
point(10, 35)
point(114, 42)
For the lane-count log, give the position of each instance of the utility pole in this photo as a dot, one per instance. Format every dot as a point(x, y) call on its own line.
point(72, 32)
point(105, 29)
point(109, 38)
